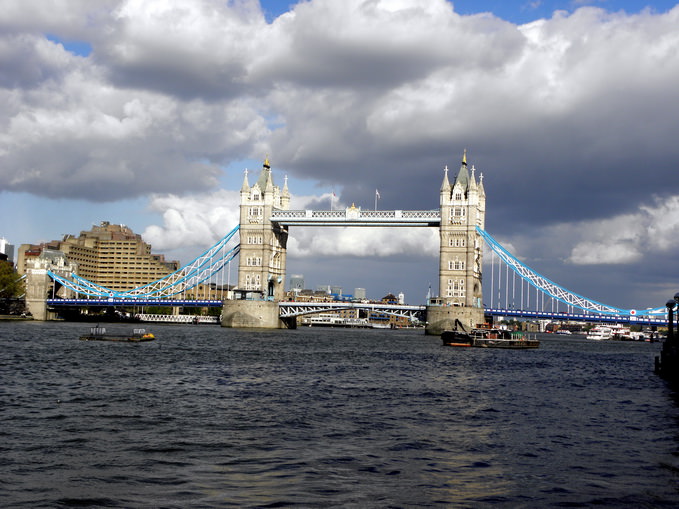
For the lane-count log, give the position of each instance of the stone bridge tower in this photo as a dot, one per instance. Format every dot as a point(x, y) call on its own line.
point(40, 286)
point(261, 266)
point(463, 208)
point(262, 257)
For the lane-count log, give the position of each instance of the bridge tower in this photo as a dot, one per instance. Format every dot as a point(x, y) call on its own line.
point(463, 208)
point(262, 258)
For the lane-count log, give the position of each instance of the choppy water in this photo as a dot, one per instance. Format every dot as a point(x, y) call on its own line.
point(212, 417)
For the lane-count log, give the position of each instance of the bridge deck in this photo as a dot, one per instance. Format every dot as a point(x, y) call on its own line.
point(301, 308)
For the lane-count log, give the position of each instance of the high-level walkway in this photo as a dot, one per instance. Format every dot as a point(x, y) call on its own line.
point(356, 217)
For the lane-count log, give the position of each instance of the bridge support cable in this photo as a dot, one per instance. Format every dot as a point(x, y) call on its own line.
point(195, 273)
point(550, 288)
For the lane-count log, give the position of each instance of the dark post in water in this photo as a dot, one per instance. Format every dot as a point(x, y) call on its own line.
point(667, 365)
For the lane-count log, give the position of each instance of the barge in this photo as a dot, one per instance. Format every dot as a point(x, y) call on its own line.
point(100, 334)
point(485, 337)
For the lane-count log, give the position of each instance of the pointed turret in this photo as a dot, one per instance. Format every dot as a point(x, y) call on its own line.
point(463, 176)
point(246, 186)
point(285, 195)
point(445, 185)
point(268, 186)
point(265, 176)
point(472, 180)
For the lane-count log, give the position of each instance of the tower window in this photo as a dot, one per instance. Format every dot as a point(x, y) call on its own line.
point(455, 265)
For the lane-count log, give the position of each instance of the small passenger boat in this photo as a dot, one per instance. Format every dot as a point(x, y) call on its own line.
point(600, 333)
point(484, 337)
point(100, 334)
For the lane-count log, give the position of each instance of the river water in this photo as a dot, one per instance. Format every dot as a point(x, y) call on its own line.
point(212, 417)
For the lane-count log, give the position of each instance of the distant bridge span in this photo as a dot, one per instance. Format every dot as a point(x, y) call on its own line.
point(289, 309)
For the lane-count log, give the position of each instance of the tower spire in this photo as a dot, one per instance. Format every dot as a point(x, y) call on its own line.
point(445, 185)
point(246, 185)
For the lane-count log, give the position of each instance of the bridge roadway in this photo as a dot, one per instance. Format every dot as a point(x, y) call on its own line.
point(577, 317)
point(136, 302)
point(289, 309)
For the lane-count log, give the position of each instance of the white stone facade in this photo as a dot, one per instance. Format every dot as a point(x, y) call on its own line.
point(463, 208)
point(262, 258)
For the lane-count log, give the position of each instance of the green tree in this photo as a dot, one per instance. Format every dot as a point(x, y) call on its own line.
point(10, 284)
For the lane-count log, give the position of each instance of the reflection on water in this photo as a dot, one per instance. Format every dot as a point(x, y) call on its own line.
point(211, 417)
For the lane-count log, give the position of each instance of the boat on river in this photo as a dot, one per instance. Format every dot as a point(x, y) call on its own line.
point(600, 333)
point(485, 337)
point(100, 334)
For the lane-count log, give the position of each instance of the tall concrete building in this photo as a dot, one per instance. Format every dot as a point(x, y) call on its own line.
point(109, 255)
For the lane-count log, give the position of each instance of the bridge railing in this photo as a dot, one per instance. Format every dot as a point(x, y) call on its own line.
point(354, 215)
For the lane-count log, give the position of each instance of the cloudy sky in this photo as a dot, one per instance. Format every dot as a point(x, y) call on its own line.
point(147, 112)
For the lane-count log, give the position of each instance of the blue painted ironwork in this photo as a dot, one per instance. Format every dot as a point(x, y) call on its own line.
point(582, 317)
point(205, 266)
point(199, 270)
point(555, 291)
point(203, 303)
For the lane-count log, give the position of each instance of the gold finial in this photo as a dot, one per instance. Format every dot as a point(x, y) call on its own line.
point(464, 157)
point(266, 162)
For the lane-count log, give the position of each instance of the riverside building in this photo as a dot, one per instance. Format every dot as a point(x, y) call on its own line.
point(110, 255)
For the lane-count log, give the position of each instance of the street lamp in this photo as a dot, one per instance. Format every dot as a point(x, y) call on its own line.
point(670, 317)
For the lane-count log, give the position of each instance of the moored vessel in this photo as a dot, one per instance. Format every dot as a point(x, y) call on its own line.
point(488, 337)
point(100, 334)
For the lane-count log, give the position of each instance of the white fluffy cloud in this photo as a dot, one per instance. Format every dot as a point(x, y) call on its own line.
point(200, 221)
point(192, 221)
point(627, 238)
point(570, 117)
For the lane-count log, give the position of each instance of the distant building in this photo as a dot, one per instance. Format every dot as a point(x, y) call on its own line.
point(336, 290)
point(110, 255)
point(297, 282)
point(7, 249)
point(386, 319)
point(323, 288)
point(359, 293)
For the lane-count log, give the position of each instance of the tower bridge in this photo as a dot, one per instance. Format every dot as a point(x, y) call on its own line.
point(265, 220)
point(261, 249)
